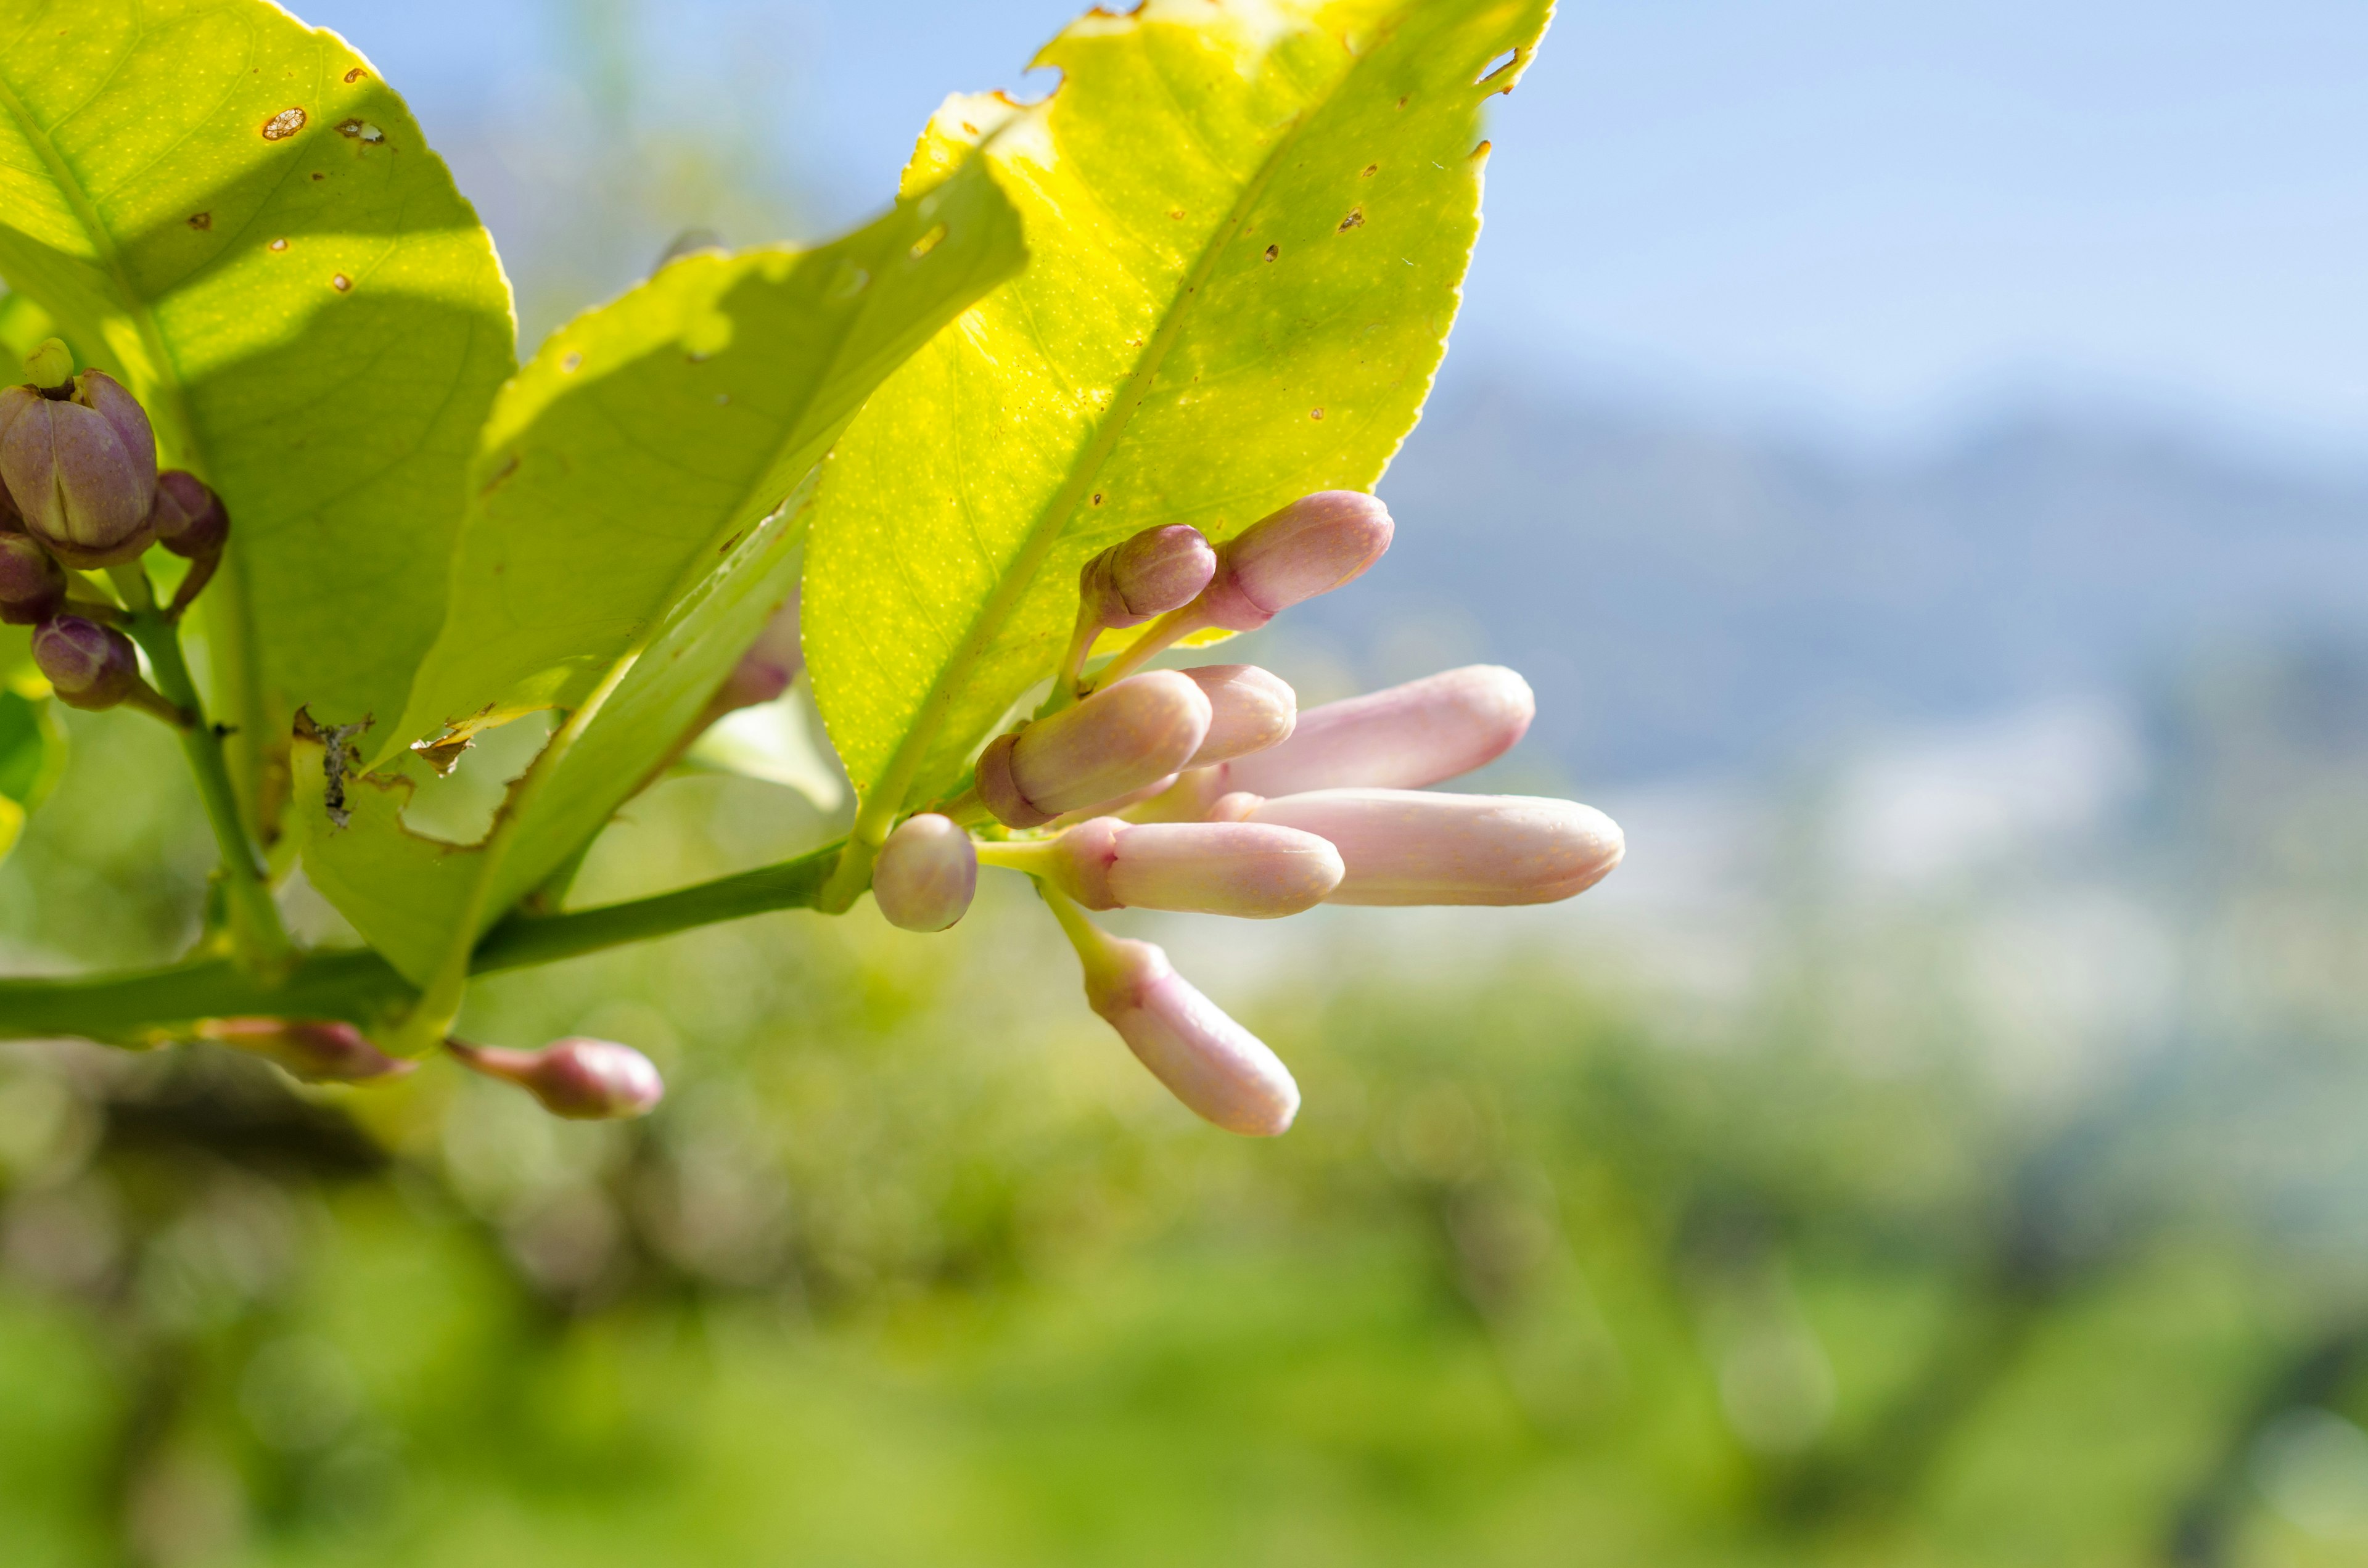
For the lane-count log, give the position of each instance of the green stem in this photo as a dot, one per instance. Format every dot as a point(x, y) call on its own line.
point(364, 988)
point(257, 935)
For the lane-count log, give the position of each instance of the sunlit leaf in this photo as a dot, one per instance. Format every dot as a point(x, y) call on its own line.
point(1248, 225)
point(232, 212)
point(629, 538)
point(32, 751)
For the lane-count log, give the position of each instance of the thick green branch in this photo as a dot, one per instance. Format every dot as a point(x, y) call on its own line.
point(364, 988)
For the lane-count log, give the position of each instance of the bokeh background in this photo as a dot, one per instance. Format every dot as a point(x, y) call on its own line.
point(1916, 454)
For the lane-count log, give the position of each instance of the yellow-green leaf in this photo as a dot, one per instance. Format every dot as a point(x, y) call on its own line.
point(1248, 223)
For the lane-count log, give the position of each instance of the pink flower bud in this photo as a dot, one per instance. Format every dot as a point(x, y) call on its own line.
point(189, 519)
point(1250, 710)
point(317, 1050)
point(1311, 547)
point(1247, 869)
point(82, 471)
point(1412, 847)
point(88, 665)
point(1118, 740)
point(1156, 570)
point(1403, 738)
point(926, 874)
point(583, 1079)
point(32, 585)
point(1217, 1068)
point(765, 670)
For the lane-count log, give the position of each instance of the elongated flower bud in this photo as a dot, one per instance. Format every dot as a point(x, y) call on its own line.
point(1118, 740)
point(1219, 1070)
point(1403, 738)
point(318, 1051)
point(1413, 847)
point(926, 874)
point(581, 1079)
point(1156, 570)
point(1311, 547)
point(32, 585)
point(765, 670)
point(88, 665)
point(189, 519)
point(1248, 869)
point(83, 471)
point(1250, 710)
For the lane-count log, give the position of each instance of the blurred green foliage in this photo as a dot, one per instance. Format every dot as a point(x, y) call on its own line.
point(915, 1265)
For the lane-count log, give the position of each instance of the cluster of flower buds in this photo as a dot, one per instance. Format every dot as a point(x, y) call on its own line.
point(1206, 790)
point(79, 491)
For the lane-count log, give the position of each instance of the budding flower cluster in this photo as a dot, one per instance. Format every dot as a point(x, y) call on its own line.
point(1206, 790)
point(79, 489)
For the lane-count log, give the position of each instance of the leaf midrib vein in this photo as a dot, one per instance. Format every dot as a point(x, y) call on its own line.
point(897, 779)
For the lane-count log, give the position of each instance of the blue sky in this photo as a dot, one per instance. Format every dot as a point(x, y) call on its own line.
point(1871, 215)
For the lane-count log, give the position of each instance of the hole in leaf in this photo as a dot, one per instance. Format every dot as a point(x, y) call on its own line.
point(341, 283)
point(1355, 219)
point(1496, 67)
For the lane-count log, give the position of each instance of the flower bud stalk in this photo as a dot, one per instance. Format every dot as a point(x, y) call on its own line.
point(317, 1050)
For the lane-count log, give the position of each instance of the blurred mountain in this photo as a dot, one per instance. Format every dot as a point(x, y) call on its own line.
point(1691, 598)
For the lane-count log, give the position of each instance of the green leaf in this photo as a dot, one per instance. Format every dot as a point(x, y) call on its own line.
point(638, 505)
point(231, 212)
point(32, 751)
point(1248, 223)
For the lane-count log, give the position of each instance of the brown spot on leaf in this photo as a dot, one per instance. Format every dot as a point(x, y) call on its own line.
point(318, 175)
point(341, 283)
point(1273, 251)
point(1176, 213)
point(1098, 498)
point(1402, 103)
point(201, 219)
point(1355, 219)
point(356, 75)
point(1369, 170)
point(728, 544)
point(283, 125)
point(572, 363)
point(1315, 414)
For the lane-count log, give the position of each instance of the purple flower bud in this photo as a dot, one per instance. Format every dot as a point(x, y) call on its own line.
point(189, 519)
point(1250, 710)
point(1311, 547)
point(581, 1079)
point(926, 874)
point(88, 665)
point(765, 670)
point(32, 585)
point(1413, 847)
point(1156, 570)
point(317, 1050)
point(82, 471)
point(1118, 740)
point(1249, 870)
point(1403, 738)
point(1217, 1068)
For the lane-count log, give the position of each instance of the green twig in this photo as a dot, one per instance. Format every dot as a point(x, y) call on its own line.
point(364, 988)
point(257, 935)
